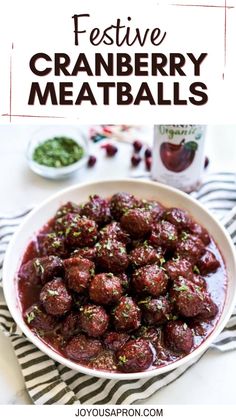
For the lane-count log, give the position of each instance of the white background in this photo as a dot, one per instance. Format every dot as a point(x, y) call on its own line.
point(47, 27)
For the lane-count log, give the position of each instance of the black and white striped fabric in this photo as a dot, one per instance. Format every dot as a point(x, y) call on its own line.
point(48, 382)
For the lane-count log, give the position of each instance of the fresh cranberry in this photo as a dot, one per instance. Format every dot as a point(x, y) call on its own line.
point(137, 145)
point(206, 163)
point(111, 149)
point(148, 163)
point(135, 160)
point(148, 153)
point(91, 161)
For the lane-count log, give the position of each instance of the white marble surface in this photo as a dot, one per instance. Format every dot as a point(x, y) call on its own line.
point(211, 381)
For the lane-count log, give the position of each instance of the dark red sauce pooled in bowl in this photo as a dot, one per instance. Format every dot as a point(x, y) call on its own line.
point(122, 284)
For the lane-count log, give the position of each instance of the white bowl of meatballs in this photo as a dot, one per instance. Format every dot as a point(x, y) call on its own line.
point(120, 279)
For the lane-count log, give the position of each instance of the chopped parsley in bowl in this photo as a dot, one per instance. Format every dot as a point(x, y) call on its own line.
point(57, 156)
point(58, 152)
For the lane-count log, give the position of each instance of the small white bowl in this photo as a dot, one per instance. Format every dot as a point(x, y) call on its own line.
point(143, 189)
point(46, 133)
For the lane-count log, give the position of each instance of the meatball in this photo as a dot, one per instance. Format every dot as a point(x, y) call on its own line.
point(208, 263)
point(51, 244)
point(105, 289)
point(210, 309)
point(190, 247)
point(64, 222)
point(78, 273)
point(55, 298)
point(188, 298)
point(136, 222)
point(93, 320)
point(199, 231)
point(41, 270)
point(83, 233)
point(97, 209)
point(115, 340)
point(164, 234)
point(82, 348)
point(153, 207)
point(145, 255)
point(122, 202)
point(150, 279)
point(105, 360)
point(127, 315)
point(134, 356)
point(85, 252)
point(37, 319)
point(70, 325)
point(151, 334)
point(112, 256)
point(113, 231)
point(78, 231)
point(156, 311)
point(68, 208)
point(178, 217)
point(179, 267)
point(178, 337)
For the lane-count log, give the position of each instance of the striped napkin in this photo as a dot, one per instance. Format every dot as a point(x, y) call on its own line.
point(49, 382)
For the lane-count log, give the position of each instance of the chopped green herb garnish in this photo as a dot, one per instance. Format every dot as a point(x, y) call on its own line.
point(184, 235)
point(181, 288)
point(162, 261)
point(58, 152)
point(196, 270)
point(107, 245)
point(68, 230)
point(52, 293)
point(88, 312)
point(56, 243)
point(51, 235)
point(122, 359)
point(30, 317)
point(146, 301)
point(76, 233)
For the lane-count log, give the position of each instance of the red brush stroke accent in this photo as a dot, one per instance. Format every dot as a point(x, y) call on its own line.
point(10, 89)
point(225, 35)
point(203, 5)
point(10, 114)
point(225, 7)
point(33, 116)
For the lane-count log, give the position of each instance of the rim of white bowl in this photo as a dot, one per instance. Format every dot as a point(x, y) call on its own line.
point(17, 315)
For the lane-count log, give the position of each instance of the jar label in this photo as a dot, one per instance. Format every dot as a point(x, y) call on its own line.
point(178, 155)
